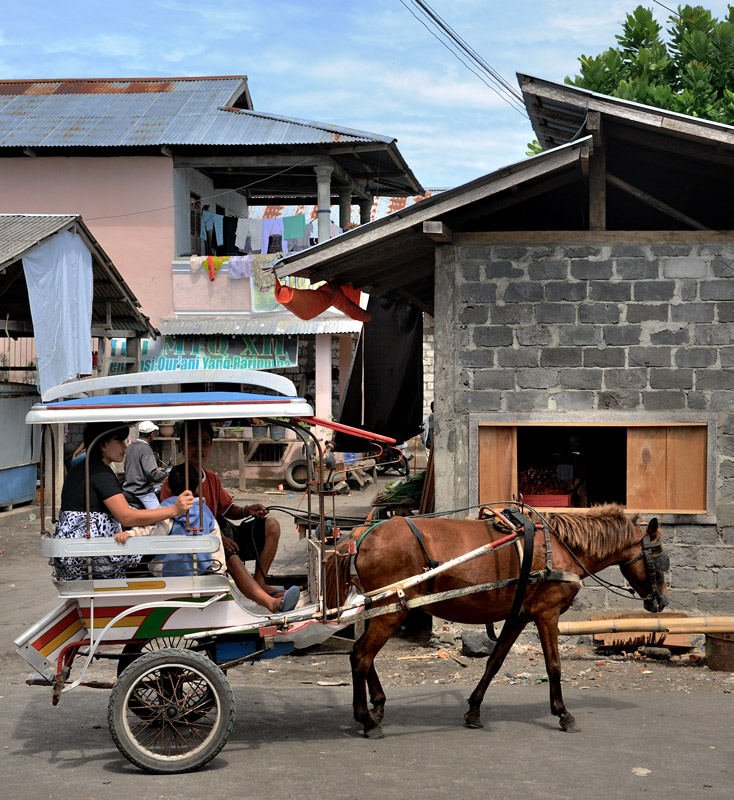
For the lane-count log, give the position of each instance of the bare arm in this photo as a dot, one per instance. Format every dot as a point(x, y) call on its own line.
point(240, 512)
point(131, 517)
point(162, 528)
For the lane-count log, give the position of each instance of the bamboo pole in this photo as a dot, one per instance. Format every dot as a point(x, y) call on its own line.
point(652, 625)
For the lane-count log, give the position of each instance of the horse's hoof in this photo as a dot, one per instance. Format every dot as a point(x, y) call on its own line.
point(374, 733)
point(571, 726)
point(472, 721)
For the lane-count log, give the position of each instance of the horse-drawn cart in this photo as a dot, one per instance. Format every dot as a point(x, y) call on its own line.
point(171, 708)
point(174, 637)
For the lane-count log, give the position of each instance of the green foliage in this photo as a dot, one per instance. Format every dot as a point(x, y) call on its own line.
point(689, 73)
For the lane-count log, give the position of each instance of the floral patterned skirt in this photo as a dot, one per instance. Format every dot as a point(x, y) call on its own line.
point(73, 525)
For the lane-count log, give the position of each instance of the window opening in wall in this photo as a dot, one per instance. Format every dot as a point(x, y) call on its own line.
point(579, 466)
point(646, 467)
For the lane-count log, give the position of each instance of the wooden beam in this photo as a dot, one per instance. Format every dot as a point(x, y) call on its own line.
point(655, 203)
point(17, 328)
point(482, 188)
point(597, 174)
point(436, 230)
point(416, 302)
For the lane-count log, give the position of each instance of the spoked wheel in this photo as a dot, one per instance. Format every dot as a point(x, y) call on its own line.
point(171, 711)
point(139, 647)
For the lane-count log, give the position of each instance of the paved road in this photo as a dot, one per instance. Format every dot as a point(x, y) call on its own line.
point(301, 742)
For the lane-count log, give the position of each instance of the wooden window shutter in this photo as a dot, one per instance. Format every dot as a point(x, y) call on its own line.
point(497, 463)
point(666, 468)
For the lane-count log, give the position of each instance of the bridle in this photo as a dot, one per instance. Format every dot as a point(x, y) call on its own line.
point(655, 565)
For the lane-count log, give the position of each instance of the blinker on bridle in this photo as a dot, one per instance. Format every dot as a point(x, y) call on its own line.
point(654, 564)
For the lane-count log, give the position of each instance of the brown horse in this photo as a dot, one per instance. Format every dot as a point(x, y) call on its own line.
point(581, 545)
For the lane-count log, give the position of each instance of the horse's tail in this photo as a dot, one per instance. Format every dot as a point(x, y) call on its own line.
point(336, 569)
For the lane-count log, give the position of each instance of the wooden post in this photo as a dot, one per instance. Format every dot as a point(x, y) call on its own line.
point(597, 175)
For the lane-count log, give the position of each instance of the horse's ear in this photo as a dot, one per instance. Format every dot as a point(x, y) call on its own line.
point(652, 526)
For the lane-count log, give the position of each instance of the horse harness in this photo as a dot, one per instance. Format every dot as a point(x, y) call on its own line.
point(655, 564)
point(511, 520)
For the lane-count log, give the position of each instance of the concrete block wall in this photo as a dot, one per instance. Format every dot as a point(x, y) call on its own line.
point(599, 328)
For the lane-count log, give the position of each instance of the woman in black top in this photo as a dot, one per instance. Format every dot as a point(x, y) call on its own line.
point(108, 509)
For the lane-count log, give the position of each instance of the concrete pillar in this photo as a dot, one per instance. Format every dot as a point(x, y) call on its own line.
point(323, 192)
point(365, 211)
point(345, 207)
point(322, 347)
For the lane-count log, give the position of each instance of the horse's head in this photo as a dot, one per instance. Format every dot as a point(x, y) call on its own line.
point(645, 570)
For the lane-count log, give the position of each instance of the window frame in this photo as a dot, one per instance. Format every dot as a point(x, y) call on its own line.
point(505, 421)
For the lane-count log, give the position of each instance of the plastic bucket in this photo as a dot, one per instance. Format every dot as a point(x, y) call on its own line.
point(720, 651)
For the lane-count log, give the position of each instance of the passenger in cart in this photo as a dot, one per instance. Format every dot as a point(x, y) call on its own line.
point(254, 540)
point(203, 520)
point(109, 511)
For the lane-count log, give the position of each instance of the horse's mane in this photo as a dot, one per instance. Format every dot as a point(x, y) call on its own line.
point(603, 531)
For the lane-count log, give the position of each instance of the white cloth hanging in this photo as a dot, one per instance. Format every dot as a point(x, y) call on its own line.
point(59, 277)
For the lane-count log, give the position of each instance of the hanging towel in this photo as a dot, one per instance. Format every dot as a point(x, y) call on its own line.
point(214, 264)
point(212, 222)
point(294, 227)
point(240, 267)
point(195, 262)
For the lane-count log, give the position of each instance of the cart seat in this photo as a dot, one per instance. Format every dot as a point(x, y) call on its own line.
point(206, 583)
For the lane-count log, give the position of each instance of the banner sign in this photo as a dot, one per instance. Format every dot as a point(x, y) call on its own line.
point(169, 353)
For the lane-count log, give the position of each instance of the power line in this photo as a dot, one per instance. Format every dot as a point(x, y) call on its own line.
point(511, 90)
point(691, 22)
point(454, 43)
point(203, 199)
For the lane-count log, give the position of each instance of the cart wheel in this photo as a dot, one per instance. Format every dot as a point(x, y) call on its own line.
point(403, 467)
point(171, 711)
point(139, 647)
point(296, 475)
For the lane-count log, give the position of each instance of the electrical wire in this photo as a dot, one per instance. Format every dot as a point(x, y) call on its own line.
point(204, 199)
point(511, 90)
point(453, 43)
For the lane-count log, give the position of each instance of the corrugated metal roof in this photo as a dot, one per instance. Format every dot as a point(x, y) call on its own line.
point(21, 232)
point(256, 325)
point(148, 113)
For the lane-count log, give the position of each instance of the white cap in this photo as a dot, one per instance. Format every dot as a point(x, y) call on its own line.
point(147, 426)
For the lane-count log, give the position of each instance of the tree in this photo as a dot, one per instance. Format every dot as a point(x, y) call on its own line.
point(689, 73)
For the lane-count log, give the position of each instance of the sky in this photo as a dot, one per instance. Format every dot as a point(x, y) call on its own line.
point(366, 65)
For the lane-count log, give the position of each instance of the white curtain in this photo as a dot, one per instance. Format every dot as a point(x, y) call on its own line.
point(59, 277)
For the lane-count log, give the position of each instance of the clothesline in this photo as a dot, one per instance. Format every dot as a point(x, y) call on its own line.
point(255, 235)
point(238, 266)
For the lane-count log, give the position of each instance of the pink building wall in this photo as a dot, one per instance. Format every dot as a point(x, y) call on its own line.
point(109, 193)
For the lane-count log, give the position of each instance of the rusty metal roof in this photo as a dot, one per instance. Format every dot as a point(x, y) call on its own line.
point(200, 118)
point(285, 324)
point(99, 113)
point(20, 233)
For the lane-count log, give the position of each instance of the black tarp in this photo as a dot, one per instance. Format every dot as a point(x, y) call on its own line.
point(384, 392)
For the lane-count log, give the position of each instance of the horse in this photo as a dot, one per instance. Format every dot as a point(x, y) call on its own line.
point(573, 545)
